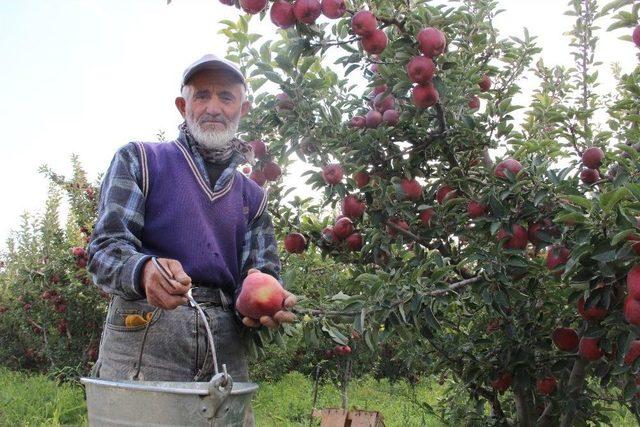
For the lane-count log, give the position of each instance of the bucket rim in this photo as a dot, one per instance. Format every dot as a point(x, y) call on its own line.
point(190, 388)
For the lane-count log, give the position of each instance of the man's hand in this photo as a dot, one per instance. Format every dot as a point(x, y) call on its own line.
point(163, 294)
point(282, 316)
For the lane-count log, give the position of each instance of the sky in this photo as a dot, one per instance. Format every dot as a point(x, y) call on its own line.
point(87, 76)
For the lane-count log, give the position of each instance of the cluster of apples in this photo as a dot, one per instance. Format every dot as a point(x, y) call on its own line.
point(268, 170)
point(420, 69)
point(81, 257)
point(592, 159)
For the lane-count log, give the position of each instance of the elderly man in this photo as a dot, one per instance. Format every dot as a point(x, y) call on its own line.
point(184, 203)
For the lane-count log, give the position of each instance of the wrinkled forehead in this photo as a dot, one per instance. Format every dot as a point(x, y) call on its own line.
point(216, 78)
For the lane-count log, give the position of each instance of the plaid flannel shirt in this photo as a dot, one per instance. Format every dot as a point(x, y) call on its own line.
point(115, 260)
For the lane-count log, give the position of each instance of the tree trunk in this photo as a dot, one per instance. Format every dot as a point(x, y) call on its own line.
point(574, 388)
point(523, 408)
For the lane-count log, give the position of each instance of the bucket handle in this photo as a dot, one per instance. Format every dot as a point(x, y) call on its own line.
point(221, 379)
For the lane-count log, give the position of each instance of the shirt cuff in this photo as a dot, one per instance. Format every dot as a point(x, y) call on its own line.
point(131, 274)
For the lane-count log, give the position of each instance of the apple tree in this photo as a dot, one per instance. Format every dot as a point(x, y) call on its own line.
point(489, 244)
point(51, 314)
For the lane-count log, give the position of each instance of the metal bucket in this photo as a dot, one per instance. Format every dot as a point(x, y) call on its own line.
point(158, 403)
point(218, 402)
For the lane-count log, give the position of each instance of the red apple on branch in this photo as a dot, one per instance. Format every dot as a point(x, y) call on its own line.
point(566, 339)
point(592, 157)
point(307, 11)
point(281, 14)
point(421, 69)
point(295, 243)
point(432, 41)
point(332, 174)
point(363, 23)
point(253, 6)
point(333, 9)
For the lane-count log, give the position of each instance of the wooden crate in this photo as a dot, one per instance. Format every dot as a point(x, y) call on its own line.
point(334, 417)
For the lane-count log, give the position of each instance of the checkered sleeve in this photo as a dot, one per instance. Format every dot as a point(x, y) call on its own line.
point(261, 248)
point(115, 260)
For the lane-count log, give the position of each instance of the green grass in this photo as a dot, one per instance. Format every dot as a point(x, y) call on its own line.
point(288, 402)
point(35, 400)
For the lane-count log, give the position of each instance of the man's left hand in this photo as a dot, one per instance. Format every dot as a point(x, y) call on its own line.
point(282, 316)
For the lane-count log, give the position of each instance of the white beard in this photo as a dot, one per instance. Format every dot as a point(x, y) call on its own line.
point(213, 139)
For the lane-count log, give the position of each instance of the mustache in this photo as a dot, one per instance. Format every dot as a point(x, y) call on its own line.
point(206, 118)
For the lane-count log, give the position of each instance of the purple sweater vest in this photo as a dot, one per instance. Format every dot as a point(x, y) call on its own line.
point(187, 221)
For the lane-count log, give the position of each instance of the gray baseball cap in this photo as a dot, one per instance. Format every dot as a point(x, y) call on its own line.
point(211, 62)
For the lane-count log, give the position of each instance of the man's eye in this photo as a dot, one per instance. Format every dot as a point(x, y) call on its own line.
point(201, 95)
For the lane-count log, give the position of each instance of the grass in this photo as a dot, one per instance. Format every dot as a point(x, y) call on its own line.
point(293, 397)
point(35, 400)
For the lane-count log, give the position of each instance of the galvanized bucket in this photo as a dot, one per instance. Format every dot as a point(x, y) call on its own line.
point(218, 402)
point(156, 403)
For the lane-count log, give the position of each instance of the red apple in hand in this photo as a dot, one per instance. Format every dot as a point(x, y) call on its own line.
point(261, 295)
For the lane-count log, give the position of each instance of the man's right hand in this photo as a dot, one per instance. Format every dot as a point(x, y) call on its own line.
point(163, 294)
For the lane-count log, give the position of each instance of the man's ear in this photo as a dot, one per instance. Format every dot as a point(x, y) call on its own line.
point(181, 106)
point(245, 108)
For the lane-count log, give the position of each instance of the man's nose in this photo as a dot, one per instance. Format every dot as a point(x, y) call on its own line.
point(214, 107)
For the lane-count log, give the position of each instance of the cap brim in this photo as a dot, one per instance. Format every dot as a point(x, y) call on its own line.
point(213, 65)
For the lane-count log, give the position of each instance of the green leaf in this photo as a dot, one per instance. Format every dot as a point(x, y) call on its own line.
point(610, 199)
point(621, 237)
point(606, 256)
point(578, 200)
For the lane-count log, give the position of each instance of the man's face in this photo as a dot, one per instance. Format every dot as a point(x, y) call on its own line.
point(212, 105)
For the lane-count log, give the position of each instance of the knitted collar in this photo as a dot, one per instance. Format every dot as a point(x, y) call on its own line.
point(220, 155)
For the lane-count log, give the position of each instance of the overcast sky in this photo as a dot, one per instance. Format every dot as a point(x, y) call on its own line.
point(87, 76)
